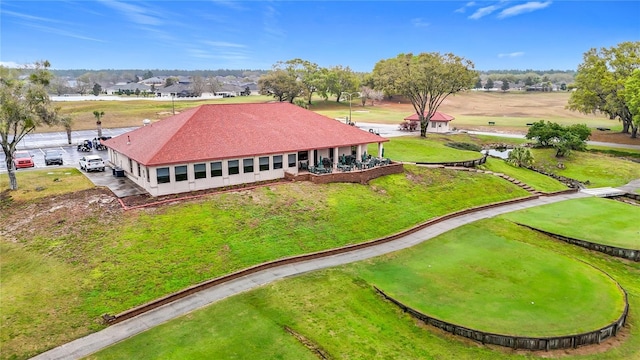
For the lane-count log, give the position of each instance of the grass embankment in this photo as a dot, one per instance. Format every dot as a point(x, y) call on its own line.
point(596, 170)
point(180, 246)
point(536, 180)
point(585, 219)
point(36, 184)
point(339, 311)
point(143, 255)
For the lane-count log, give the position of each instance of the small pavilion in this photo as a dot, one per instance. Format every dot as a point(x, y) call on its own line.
point(439, 122)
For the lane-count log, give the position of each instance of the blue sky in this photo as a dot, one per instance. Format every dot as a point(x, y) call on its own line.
point(217, 34)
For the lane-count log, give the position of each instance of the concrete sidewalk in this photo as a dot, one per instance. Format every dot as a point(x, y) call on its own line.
point(92, 343)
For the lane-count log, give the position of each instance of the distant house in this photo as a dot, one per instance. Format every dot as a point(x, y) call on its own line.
point(127, 88)
point(177, 90)
point(155, 80)
point(219, 145)
point(439, 122)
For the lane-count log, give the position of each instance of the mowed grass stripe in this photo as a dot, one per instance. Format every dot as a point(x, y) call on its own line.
point(597, 220)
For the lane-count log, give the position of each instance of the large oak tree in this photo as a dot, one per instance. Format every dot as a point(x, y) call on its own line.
point(600, 83)
point(632, 96)
point(24, 105)
point(426, 79)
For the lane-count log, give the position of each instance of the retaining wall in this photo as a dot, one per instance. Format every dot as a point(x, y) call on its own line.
point(467, 164)
point(630, 254)
point(520, 342)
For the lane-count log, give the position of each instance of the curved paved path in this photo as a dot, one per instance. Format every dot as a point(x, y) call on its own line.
point(94, 342)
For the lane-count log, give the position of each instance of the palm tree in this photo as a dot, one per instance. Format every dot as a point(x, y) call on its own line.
point(98, 115)
point(67, 121)
point(520, 157)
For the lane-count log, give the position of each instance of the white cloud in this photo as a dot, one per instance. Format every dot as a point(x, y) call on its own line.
point(234, 5)
point(418, 22)
point(523, 8)
point(464, 8)
point(223, 44)
point(511, 55)
point(29, 17)
point(135, 13)
point(270, 22)
point(484, 11)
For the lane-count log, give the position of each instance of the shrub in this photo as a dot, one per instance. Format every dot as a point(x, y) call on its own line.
point(465, 146)
point(520, 157)
point(562, 138)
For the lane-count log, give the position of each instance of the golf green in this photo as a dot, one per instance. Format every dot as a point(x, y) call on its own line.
point(480, 276)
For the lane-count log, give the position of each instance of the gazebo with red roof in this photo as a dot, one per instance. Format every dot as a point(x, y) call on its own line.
point(439, 122)
point(229, 144)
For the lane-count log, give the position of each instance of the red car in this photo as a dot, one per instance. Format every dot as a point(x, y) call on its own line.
point(22, 159)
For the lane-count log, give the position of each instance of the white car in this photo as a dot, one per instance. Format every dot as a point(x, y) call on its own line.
point(91, 163)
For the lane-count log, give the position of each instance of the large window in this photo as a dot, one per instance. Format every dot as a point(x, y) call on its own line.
point(292, 160)
point(200, 171)
point(181, 172)
point(247, 165)
point(216, 169)
point(264, 163)
point(277, 161)
point(234, 167)
point(162, 175)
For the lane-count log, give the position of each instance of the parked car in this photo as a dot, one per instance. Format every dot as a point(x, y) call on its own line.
point(52, 157)
point(91, 163)
point(22, 159)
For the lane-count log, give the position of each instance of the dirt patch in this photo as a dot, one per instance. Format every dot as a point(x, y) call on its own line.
point(613, 137)
point(55, 215)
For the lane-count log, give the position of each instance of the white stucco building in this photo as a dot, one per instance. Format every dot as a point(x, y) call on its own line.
point(213, 146)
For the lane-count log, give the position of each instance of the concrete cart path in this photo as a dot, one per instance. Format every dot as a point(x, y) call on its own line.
point(94, 342)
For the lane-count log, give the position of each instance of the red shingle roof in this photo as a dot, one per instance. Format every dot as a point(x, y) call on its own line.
point(224, 131)
point(437, 116)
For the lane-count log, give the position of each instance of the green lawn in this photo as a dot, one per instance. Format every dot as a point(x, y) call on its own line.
point(586, 219)
point(417, 149)
point(598, 169)
point(338, 310)
point(536, 180)
point(36, 184)
point(142, 255)
point(488, 280)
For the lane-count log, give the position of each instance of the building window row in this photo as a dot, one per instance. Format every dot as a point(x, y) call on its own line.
point(233, 167)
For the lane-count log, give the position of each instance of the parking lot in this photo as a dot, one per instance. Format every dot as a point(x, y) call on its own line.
point(37, 144)
point(70, 157)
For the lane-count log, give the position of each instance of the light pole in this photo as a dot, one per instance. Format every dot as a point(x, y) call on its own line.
point(350, 96)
